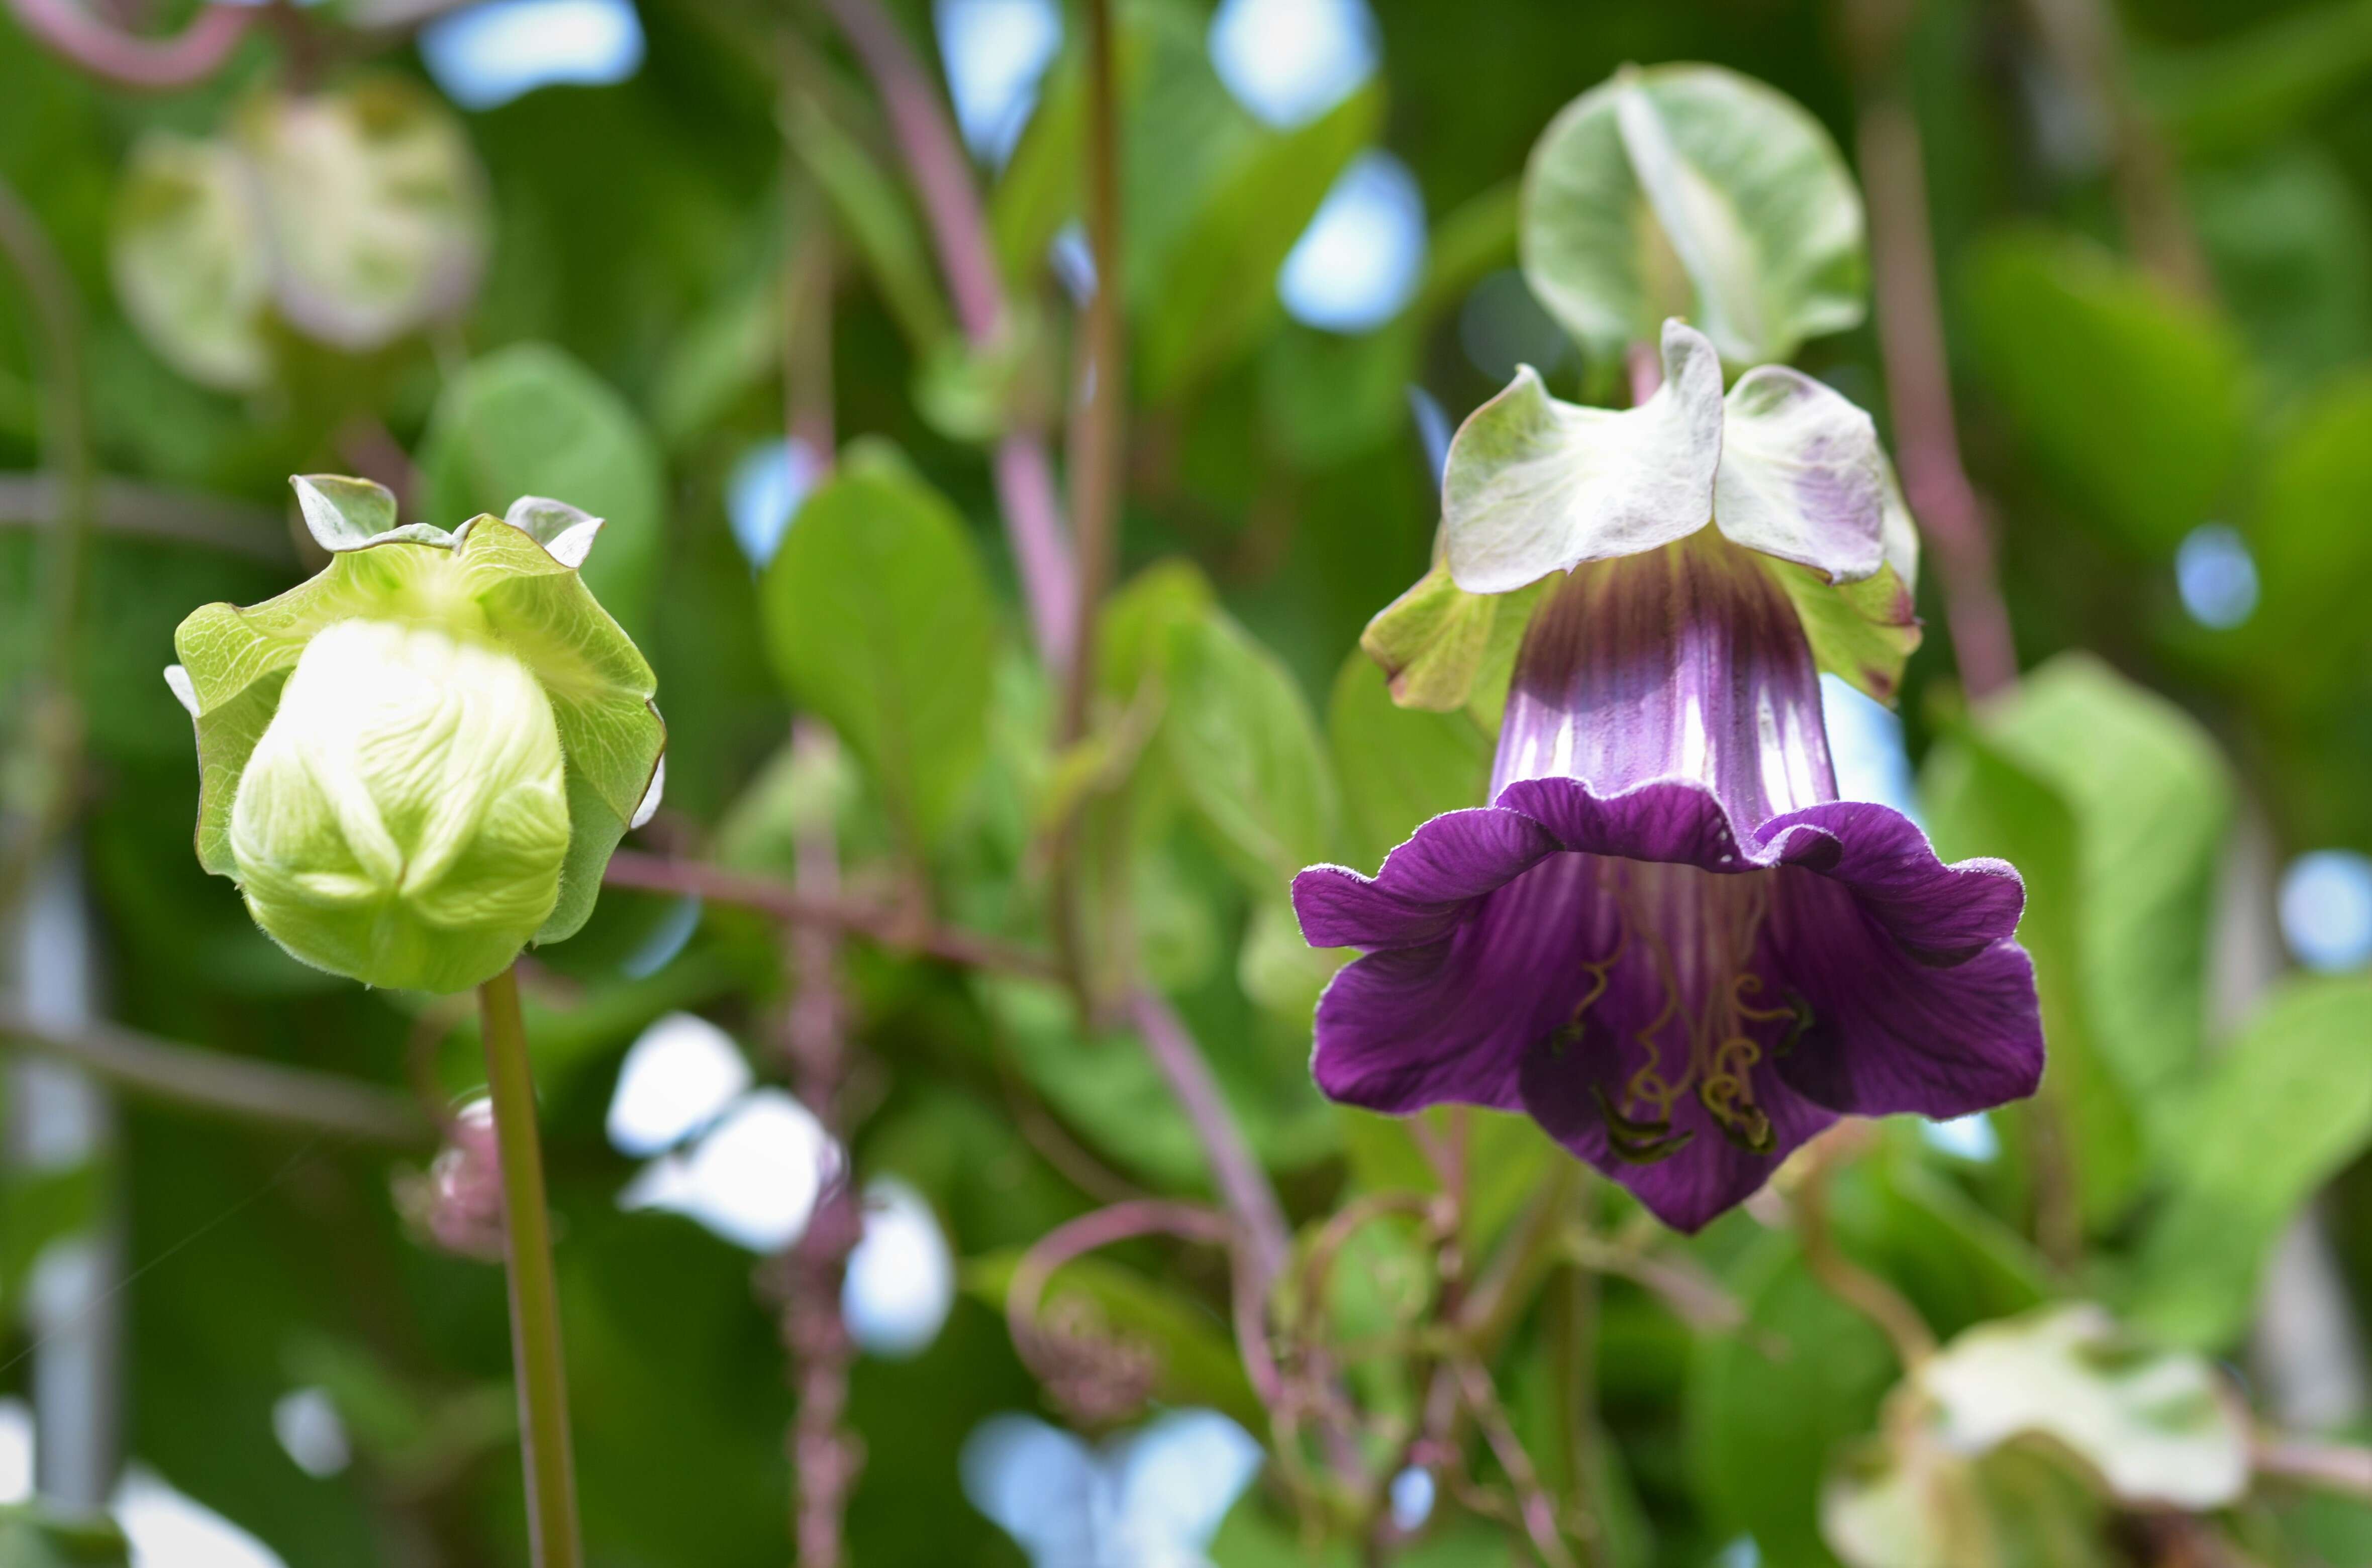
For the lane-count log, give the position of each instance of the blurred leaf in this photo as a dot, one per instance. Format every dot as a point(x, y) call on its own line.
point(1884, 1507)
point(2157, 1427)
point(374, 207)
point(32, 1537)
point(2152, 801)
point(733, 344)
point(1979, 799)
point(1038, 191)
point(2313, 552)
point(1957, 1264)
point(1198, 1359)
point(2137, 400)
point(40, 1206)
point(1106, 1089)
point(1329, 397)
point(2279, 1111)
point(1768, 1406)
point(878, 619)
point(189, 262)
point(1278, 970)
point(872, 211)
point(1399, 766)
point(1692, 191)
point(2251, 84)
point(1247, 753)
point(529, 420)
point(1218, 283)
point(2292, 249)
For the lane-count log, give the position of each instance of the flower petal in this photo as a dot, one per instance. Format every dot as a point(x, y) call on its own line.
point(1800, 475)
point(1535, 485)
point(1449, 1021)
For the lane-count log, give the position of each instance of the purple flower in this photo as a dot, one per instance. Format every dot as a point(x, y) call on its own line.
point(1667, 940)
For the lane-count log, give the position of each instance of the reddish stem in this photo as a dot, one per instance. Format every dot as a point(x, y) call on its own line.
point(152, 64)
point(1242, 1183)
point(1919, 386)
point(836, 911)
point(942, 175)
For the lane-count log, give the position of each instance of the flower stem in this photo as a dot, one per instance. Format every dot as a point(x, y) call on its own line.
point(535, 1295)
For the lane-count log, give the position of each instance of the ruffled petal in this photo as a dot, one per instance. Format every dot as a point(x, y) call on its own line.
point(1447, 1022)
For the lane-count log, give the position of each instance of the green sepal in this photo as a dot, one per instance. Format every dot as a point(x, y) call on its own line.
point(1443, 648)
point(510, 589)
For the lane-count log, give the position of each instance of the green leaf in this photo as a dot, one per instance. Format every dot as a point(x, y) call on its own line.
point(1442, 648)
point(1862, 632)
point(189, 263)
point(1399, 766)
point(1769, 1405)
point(2152, 800)
point(2159, 1428)
point(34, 1537)
point(1106, 1087)
point(878, 619)
point(1692, 191)
point(1247, 753)
point(2312, 549)
point(1980, 800)
point(2283, 1108)
point(529, 420)
point(2135, 399)
point(1218, 284)
point(373, 206)
point(1038, 191)
point(1914, 1505)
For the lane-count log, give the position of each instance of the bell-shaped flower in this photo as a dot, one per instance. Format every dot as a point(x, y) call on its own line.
point(419, 760)
point(1667, 940)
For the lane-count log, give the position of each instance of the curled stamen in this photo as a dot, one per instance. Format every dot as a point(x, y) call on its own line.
point(1728, 1092)
point(1637, 1141)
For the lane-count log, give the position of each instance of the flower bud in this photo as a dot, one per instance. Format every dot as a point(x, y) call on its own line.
point(404, 815)
point(419, 762)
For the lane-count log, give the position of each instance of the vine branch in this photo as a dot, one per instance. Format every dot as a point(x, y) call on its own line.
point(127, 59)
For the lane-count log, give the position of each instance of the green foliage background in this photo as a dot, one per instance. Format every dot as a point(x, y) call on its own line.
point(622, 352)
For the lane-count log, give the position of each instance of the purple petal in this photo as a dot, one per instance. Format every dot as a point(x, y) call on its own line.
point(1448, 1022)
point(1423, 890)
point(1941, 914)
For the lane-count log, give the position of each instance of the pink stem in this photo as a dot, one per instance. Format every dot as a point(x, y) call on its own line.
point(1919, 386)
point(127, 59)
point(942, 174)
point(1025, 488)
point(1242, 1183)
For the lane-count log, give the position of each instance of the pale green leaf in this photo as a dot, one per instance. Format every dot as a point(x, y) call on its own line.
point(529, 420)
point(1692, 191)
point(880, 619)
point(2152, 800)
point(2284, 1107)
point(1247, 754)
point(2159, 1427)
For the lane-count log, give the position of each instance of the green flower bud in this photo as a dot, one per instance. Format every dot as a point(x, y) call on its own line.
point(419, 762)
point(404, 816)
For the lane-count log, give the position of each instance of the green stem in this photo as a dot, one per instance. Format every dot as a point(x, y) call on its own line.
point(535, 1295)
